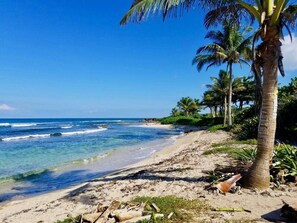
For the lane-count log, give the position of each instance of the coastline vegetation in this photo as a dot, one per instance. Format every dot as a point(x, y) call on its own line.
point(271, 17)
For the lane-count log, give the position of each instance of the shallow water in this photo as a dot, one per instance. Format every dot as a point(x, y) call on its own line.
point(33, 161)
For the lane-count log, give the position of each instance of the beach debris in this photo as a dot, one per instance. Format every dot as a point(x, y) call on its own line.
point(155, 207)
point(170, 215)
point(112, 207)
point(129, 212)
point(91, 217)
point(289, 211)
point(226, 185)
point(144, 218)
point(232, 210)
point(123, 214)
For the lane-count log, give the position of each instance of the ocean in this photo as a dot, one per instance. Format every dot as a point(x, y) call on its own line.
point(43, 155)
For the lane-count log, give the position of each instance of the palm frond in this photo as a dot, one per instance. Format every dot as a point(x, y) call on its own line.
point(289, 16)
point(232, 12)
point(140, 9)
point(211, 48)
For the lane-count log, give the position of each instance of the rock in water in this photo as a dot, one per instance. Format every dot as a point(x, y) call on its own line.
point(56, 134)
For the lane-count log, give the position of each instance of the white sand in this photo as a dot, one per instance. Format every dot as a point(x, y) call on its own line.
point(176, 170)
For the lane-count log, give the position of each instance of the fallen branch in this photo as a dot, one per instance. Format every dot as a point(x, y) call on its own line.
point(231, 209)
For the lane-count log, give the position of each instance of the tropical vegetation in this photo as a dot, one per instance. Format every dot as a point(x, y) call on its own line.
point(271, 16)
point(229, 46)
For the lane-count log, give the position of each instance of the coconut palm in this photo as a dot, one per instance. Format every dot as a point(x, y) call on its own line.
point(221, 86)
point(187, 105)
point(229, 46)
point(247, 94)
point(272, 16)
point(212, 100)
point(175, 112)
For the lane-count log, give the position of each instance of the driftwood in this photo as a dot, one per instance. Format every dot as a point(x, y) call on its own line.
point(147, 217)
point(231, 209)
point(113, 206)
point(170, 215)
point(123, 214)
point(91, 217)
point(131, 212)
point(156, 207)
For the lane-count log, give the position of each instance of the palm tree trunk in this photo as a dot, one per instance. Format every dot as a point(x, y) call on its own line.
point(225, 110)
point(258, 93)
point(259, 176)
point(230, 98)
point(211, 111)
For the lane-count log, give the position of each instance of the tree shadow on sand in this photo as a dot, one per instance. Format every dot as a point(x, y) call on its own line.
point(47, 181)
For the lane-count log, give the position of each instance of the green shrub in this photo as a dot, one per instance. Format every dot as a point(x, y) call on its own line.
point(179, 120)
point(215, 128)
point(248, 129)
point(285, 158)
point(245, 154)
point(243, 114)
point(210, 121)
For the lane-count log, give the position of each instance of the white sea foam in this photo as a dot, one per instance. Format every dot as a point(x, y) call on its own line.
point(66, 126)
point(27, 137)
point(16, 138)
point(83, 132)
point(4, 124)
point(18, 125)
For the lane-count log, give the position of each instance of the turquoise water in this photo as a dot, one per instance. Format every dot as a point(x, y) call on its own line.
point(41, 155)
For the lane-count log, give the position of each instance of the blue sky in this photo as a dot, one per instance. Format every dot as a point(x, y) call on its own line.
point(64, 58)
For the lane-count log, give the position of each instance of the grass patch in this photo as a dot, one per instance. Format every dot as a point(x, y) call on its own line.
point(216, 150)
point(215, 128)
point(71, 220)
point(232, 148)
point(183, 210)
point(236, 142)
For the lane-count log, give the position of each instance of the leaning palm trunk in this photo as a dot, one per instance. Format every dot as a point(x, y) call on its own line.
point(230, 98)
point(259, 176)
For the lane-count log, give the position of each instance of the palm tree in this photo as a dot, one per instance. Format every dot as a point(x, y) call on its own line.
point(187, 105)
point(221, 86)
point(272, 16)
point(247, 94)
point(175, 112)
point(212, 100)
point(229, 46)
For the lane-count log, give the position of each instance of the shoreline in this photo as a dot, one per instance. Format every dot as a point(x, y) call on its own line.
point(108, 162)
point(177, 170)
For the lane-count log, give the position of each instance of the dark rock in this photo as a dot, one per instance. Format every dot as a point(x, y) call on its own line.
point(56, 134)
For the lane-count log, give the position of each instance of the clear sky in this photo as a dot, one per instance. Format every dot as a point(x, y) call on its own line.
point(61, 58)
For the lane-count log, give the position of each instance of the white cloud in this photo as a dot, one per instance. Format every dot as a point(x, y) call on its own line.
point(5, 107)
point(289, 50)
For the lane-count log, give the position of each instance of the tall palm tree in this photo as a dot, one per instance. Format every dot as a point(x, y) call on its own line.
point(229, 46)
point(272, 16)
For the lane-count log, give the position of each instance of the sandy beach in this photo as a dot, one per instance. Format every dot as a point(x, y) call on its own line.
point(176, 170)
